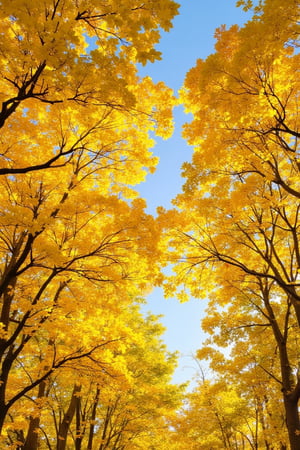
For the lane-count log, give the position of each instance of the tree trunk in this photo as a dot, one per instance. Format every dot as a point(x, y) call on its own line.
point(5, 370)
point(290, 397)
point(93, 417)
point(290, 392)
point(3, 412)
point(78, 436)
point(105, 428)
point(31, 442)
point(67, 420)
point(292, 420)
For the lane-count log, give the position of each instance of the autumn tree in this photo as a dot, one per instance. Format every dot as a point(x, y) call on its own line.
point(126, 402)
point(253, 347)
point(216, 416)
point(74, 239)
point(135, 408)
point(242, 191)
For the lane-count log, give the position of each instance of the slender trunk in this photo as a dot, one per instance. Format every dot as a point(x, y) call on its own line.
point(290, 398)
point(93, 418)
point(261, 419)
point(225, 438)
point(78, 436)
point(115, 447)
point(67, 420)
point(105, 428)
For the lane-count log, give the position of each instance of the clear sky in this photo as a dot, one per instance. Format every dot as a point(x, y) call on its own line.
point(192, 37)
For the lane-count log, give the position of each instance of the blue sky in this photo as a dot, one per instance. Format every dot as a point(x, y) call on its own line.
point(192, 37)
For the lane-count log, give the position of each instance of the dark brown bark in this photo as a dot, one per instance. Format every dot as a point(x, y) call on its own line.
point(93, 418)
point(291, 393)
point(31, 442)
point(67, 419)
point(292, 420)
point(79, 435)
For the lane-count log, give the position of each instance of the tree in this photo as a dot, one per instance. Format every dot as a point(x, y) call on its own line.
point(126, 402)
point(74, 239)
point(215, 416)
point(72, 64)
point(254, 348)
point(241, 190)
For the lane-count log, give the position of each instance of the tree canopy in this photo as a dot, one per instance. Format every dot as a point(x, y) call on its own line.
point(239, 242)
point(81, 366)
point(77, 249)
